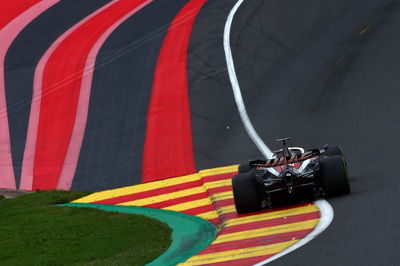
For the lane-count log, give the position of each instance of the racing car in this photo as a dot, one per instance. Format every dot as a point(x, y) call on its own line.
point(291, 176)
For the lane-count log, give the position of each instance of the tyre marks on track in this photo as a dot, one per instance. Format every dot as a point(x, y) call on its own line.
point(116, 128)
point(23, 56)
point(61, 96)
point(242, 239)
point(61, 91)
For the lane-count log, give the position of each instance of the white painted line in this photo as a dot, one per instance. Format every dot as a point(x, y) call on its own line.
point(325, 208)
point(326, 218)
point(236, 88)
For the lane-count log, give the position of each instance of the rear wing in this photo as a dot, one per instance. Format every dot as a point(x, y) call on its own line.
point(284, 160)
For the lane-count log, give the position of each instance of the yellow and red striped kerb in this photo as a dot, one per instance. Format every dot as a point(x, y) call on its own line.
point(241, 239)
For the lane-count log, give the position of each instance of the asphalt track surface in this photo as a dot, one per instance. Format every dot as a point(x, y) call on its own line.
point(22, 59)
point(320, 72)
point(115, 132)
point(114, 100)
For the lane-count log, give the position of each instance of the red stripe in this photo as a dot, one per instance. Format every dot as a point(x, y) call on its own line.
point(242, 262)
point(219, 189)
point(150, 193)
point(218, 177)
point(161, 191)
point(61, 89)
point(168, 141)
point(60, 92)
point(215, 221)
point(234, 214)
point(255, 242)
point(14, 16)
point(199, 210)
point(224, 203)
point(271, 222)
point(12, 9)
point(71, 159)
point(167, 203)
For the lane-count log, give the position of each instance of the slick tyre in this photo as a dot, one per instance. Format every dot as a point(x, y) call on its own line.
point(245, 193)
point(334, 150)
point(244, 168)
point(334, 177)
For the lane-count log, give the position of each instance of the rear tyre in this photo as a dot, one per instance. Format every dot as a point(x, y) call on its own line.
point(334, 177)
point(245, 194)
point(244, 168)
point(334, 150)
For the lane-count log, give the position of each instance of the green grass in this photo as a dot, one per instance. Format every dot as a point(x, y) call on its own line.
point(1, 197)
point(34, 231)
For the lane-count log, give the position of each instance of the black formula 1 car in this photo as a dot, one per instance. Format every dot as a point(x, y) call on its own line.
point(291, 176)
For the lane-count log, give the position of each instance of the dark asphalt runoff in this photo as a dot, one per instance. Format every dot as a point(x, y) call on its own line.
point(320, 72)
point(112, 148)
point(111, 154)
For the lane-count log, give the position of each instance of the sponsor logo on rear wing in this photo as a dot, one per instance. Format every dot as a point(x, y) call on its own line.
point(284, 160)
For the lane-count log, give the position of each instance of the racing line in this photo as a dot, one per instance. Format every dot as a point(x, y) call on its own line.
point(326, 210)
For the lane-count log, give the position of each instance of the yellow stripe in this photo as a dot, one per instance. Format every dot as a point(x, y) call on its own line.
point(226, 209)
point(221, 196)
point(165, 197)
point(208, 215)
point(219, 183)
point(272, 230)
point(219, 170)
point(108, 194)
point(264, 216)
point(271, 215)
point(137, 188)
point(189, 205)
point(238, 254)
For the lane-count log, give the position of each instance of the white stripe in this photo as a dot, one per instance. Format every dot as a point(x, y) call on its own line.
point(236, 89)
point(326, 210)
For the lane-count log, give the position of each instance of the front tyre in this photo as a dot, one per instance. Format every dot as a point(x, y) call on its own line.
point(334, 177)
point(245, 193)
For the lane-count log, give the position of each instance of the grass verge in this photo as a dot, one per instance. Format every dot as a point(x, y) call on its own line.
point(34, 231)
